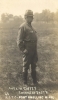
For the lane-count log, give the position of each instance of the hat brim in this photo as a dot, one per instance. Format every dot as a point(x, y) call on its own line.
point(29, 15)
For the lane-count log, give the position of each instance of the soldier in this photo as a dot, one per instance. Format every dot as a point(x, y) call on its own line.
point(27, 42)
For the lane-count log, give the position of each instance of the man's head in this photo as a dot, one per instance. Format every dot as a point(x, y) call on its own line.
point(29, 16)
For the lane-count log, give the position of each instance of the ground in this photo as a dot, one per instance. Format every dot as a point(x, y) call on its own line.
point(47, 66)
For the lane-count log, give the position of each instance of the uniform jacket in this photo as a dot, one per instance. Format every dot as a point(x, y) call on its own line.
point(27, 39)
point(26, 35)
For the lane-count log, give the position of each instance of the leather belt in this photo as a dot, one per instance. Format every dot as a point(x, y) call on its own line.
point(32, 41)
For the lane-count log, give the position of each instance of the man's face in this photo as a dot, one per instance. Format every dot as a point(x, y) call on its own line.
point(29, 19)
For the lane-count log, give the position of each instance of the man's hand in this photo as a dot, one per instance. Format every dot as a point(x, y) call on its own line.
point(25, 51)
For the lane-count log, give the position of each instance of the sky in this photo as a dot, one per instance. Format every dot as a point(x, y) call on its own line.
point(18, 7)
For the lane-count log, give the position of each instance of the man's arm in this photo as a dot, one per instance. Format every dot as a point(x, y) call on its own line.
point(20, 39)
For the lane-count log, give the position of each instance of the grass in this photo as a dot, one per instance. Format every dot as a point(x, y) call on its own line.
point(11, 57)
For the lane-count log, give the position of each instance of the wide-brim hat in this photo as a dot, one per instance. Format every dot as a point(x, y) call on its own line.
point(29, 13)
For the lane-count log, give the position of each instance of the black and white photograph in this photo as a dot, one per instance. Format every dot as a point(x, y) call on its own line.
point(28, 49)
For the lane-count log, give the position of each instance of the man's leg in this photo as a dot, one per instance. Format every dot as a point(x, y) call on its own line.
point(25, 68)
point(25, 75)
point(33, 72)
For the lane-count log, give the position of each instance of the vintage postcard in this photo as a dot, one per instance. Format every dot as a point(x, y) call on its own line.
point(28, 49)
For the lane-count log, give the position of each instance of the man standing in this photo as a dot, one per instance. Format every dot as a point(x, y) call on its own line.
point(27, 42)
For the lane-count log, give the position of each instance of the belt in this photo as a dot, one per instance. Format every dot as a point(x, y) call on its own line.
point(32, 41)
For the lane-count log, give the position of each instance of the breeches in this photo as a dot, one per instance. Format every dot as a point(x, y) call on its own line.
point(29, 59)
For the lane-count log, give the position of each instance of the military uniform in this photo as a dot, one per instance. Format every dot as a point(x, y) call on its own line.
point(27, 42)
